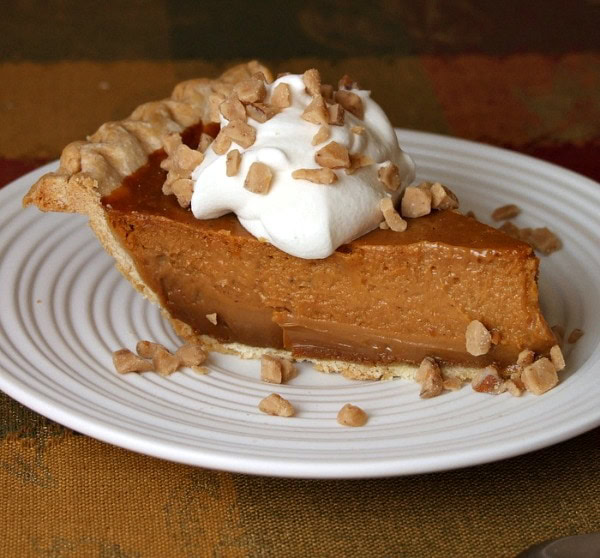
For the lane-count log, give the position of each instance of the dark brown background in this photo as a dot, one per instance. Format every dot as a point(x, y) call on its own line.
point(520, 74)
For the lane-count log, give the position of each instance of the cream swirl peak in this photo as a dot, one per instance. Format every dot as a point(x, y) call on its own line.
point(297, 168)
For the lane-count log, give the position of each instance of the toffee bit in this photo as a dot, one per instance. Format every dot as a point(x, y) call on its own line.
point(240, 132)
point(125, 361)
point(327, 91)
point(322, 135)
point(318, 176)
point(540, 376)
point(233, 109)
point(250, 90)
point(358, 130)
point(281, 96)
point(442, 197)
point(336, 114)
point(358, 161)
point(557, 358)
point(183, 188)
point(346, 82)
point(258, 179)
point(487, 380)
point(511, 230)
point(351, 415)
point(312, 81)
point(147, 349)
point(392, 218)
point(452, 383)
point(221, 143)
point(164, 362)
point(316, 112)
point(276, 370)
point(351, 102)
point(416, 202)
point(389, 176)
point(575, 336)
point(333, 156)
point(214, 102)
point(544, 240)
point(505, 212)
point(261, 112)
point(276, 405)
point(212, 318)
point(513, 388)
point(478, 339)
point(204, 143)
point(232, 165)
point(525, 358)
point(191, 354)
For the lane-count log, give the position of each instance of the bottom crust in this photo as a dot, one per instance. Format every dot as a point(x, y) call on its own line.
point(350, 370)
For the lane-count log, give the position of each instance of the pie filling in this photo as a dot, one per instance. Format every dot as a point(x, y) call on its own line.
point(385, 298)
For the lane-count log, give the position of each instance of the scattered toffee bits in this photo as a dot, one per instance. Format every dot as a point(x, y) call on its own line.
point(179, 164)
point(505, 212)
point(258, 179)
point(276, 370)
point(318, 176)
point(153, 357)
point(542, 239)
point(276, 405)
point(351, 415)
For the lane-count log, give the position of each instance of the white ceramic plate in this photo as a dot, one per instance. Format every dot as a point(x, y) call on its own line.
point(64, 308)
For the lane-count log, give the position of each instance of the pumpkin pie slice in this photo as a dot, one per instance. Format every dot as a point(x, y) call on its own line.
point(373, 309)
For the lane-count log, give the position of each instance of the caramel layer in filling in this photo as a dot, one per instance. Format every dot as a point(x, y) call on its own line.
point(386, 297)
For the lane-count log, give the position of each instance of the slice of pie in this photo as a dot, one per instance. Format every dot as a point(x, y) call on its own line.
point(373, 309)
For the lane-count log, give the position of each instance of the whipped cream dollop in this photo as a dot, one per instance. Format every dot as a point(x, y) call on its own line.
point(302, 218)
